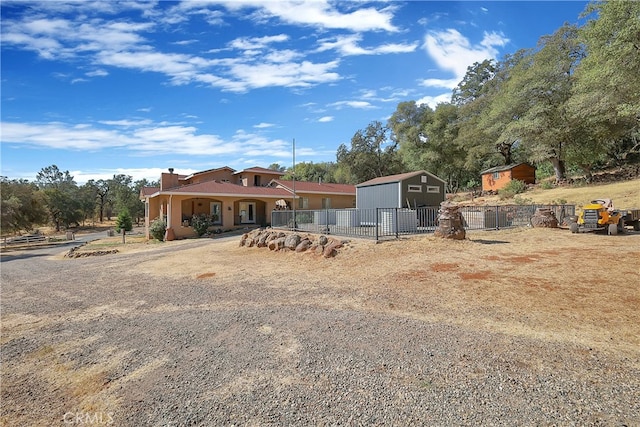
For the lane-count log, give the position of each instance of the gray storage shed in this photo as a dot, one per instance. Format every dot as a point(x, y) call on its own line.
point(406, 190)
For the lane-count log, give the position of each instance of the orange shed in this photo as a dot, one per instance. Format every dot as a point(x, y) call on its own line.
point(496, 178)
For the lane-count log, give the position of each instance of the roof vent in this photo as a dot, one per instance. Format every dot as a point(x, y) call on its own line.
point(170, 170)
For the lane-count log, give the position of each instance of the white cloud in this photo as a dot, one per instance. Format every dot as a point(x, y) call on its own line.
point(348, 45)
point(433, 101)
point(263, 125)
point(363, 105)
point(326, 119)
point(441, 83)
point(97, 73)
point(138, 137)
point(454, 52)
point(150, 174)
point(257, 43)
point(316, 13)
point(121, 44)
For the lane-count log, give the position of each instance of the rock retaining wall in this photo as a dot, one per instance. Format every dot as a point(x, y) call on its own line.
point(277, 240)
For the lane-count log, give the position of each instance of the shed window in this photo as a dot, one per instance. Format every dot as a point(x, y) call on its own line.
point(423, 179)
point(433, 189)
point(415, 189)
point(496, 175)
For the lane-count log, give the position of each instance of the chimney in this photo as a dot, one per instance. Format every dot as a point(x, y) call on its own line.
point(171, 170)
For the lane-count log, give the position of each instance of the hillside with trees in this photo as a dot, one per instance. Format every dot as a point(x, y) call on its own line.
point(570, 106)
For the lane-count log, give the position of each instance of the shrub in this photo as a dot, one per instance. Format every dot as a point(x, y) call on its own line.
point(157, 229)
point(546, 185)
point(124, 222)
point(200, 224)
point(512, 188)
point(522, 201)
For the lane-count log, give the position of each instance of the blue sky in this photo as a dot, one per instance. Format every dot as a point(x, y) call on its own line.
point(104, 87)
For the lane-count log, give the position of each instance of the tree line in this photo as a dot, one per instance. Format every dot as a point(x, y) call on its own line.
point(55, 198)
point(569, 105)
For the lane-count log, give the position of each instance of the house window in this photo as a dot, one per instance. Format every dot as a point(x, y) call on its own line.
point(496, 175)
point(256, 180)
point(326, 203)
point(433, 189)
point(415, 189)
point(303, 203)
point(423, 179)
point(215, 210)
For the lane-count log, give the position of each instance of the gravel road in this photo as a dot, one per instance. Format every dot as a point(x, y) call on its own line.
point(95, 341)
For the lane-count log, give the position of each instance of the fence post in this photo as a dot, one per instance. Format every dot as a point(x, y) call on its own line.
point(497, 217)
point(377, 225)
point(396, 221)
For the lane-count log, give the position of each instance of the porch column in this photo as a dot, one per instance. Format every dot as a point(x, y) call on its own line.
point(170, 233)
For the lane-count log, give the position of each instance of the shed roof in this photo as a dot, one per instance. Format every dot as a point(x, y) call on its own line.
point(317, 187)
point(504, 168)
point(396, 178)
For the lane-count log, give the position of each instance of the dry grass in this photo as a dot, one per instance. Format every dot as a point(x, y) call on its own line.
point(624, 194)
point(543, 283)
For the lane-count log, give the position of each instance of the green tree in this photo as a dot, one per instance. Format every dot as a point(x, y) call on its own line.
point(60, 192)
point(124, 221)
point(22, 205)
point(312, 172)
point(102, 195)
point(606, 93)
point(372, 154)
point(408, 125)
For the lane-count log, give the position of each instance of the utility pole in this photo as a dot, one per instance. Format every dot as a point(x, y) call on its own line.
point(293, 174)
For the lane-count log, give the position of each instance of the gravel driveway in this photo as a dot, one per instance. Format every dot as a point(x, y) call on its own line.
point(97, 341)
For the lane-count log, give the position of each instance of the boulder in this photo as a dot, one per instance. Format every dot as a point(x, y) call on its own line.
point(544, 218)
point(330, 249)
point(304, 245)
point(276, 244)
point(292, 241)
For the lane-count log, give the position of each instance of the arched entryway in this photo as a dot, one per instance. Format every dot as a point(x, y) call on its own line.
point(202, 206)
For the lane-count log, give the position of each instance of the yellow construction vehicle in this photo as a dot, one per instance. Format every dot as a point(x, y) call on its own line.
point(600, 215)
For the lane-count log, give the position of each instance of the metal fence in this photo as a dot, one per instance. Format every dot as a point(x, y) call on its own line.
point(381, 223)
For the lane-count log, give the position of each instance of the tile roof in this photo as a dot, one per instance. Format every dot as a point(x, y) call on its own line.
point(212, 188)
point(148, 191)
point(210, 170)
point(257, 169)
point(317, 187)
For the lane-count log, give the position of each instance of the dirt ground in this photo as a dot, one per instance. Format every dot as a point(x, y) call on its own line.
point(528, 314)
point(543, 283)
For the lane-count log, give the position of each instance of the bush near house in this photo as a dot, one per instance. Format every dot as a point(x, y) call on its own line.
point(512, 188)
point(201, 224)
point(157, 229)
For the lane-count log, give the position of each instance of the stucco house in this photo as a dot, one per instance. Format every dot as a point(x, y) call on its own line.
point(319, 195)
point(234, 199)
point(498, 177)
